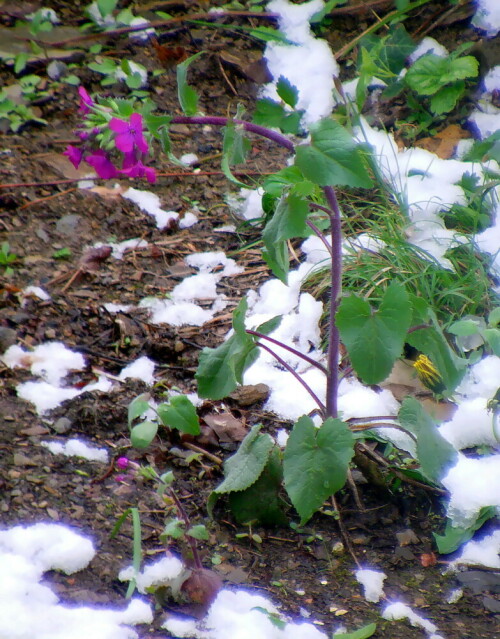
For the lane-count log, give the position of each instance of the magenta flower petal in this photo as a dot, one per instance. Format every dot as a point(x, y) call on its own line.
point(129, 134)
point(85, 100)
point(139, 170)
point(122, 463)
point(136, 126)
point(119, 126)
point(101, 164)
point(74, 155)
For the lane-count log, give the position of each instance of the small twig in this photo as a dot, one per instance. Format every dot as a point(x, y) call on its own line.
point(344, 534)
point(45, 199)
point(355, 491)
point(362, 427)
point(224, 75)
point(383, 462)
point(109, 471)
point(202, 451)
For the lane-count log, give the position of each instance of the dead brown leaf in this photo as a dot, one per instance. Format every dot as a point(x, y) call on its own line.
point(444, 143)
point(227, 427)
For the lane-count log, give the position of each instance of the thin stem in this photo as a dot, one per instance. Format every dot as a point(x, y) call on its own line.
point(296, 375)
point(217, 120)
point(320, 207)
point(185, 518)
point(335, 290)
point(418, 327)
point(367, 426)
point(306, 358)
point(321, 235)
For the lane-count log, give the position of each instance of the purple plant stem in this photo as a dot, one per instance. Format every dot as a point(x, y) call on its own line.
point(336, 253)
point(296, 375)
point(248, 126)
point(306, 358)
point(185, 518)
point(321, 235)
point(335, 290)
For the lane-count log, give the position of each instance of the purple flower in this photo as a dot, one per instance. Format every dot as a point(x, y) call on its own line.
point(140, 170)
point(74, 155)
point(129, 134)
point(86, 101)
point(102, 164)
point(121, 478)
point(122, 463)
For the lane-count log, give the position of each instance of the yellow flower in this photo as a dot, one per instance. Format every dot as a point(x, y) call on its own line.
point(428, 374)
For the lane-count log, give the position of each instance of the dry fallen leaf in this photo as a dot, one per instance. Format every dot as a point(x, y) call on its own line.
point(202, 586)
point(428, 559)
point(227, 427)
point(443, 144)
point(93, 258)
point(108, 193)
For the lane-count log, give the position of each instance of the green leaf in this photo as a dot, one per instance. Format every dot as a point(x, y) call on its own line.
point(481, 148)
point(374, 340)
point(494, 317)
point(138, 407)
point(333, 157)
point(492, 337)
point(273, 617)
point(464, 328)
point(278, 260)
point(287, 91)
point(463, 68)
point(316, 462)
point(288, 221)
point(273, 115)
point(221, 369)
point(270, 325)
point(454, 536)
point(198, 532)
point(20, 61)
point(244, 468)
point(435, 454)
point(388, 54)
point(290, 176)
point(320, 15)
point(188, 98)
point(361, 633)
point(106, 7)
point(174, 529)
point(267, 34)
point(446, 98)
point(425, 75)
point(260, 503)
point(430, 73)
point(235, 147)
point(143, 434)
point(180, 413)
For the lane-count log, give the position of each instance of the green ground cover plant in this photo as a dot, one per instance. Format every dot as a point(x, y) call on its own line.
point(301, 199)
point(374, 335)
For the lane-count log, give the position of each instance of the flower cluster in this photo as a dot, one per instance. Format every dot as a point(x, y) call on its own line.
point(101, 134)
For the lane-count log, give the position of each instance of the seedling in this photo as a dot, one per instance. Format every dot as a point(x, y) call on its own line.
point(6, 259)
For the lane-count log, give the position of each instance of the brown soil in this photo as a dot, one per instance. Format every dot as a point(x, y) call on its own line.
point(38, 486)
